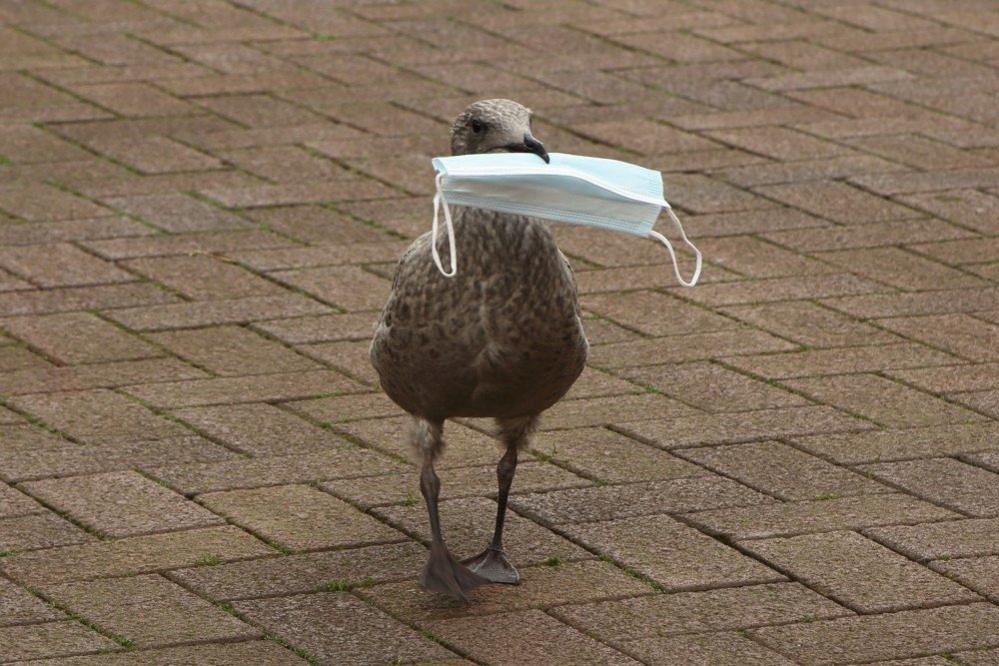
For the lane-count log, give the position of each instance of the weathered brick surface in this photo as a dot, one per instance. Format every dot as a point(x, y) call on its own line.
point(672, 554)
point(339, 628)
point(148, 610)
point(859, 573)
point(525, 637)
point(782, 471)
point(305, 572)
point(121, 504)
point(893, 635)
point(200, 209)
point(299, 517)
point(50, 639)
point(690, 612)
point(819, 516)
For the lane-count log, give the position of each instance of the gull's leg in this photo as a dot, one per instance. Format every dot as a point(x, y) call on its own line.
point(492, 563)
point(442, 572)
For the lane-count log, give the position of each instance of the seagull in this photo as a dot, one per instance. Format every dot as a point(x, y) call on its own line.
point(501, 339)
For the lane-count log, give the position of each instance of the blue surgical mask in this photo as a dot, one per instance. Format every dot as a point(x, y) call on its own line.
point(582, 190)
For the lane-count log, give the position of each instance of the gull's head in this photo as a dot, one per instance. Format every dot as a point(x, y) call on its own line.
point(494, 126)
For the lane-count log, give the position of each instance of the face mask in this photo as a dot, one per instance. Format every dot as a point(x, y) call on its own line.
point(582, 190)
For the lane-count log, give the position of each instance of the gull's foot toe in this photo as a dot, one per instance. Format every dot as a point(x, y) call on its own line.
point(493, 565)
point(445, 575)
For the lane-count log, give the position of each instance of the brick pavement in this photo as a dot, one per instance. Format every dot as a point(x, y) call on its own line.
point(797, 462)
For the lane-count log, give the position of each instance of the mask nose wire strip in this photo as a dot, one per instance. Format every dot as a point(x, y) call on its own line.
point(441, 202)
point(669, 246)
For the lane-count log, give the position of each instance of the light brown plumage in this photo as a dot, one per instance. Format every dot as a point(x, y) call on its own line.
point(501, 339)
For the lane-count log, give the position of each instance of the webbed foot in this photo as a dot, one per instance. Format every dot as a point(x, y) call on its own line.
point(493, 565)
point(445, 575)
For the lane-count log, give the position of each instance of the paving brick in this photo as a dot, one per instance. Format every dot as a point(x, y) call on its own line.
point(692, 347)
point(102, 375)
point(149, 610)
point(778, 143)
point(71, 459)
point(264, 652)
point(16, 503)
point(39, 530)
point(672, 554)
point(231, 350)
point(41, 301)
point(847, 360)
point(339, 627)
point(233, 390)
point(609, 456)
point(349, 287)
point(206, 313)
point(920, 182)
point(202, 277)
point(636, 499)
point(259, 429)
point(599, 411)
point(900, 269)
point(177, 212)
point(299, 517)
point(875, 234)
point(335, 462)
point(979, 657)
point(753, 257)
point(859, 573)
point(321, 328)
point(20, 607)
point(890, 636)
point(350, 356)
point(39, 202)
point(60, 265)
point(743, 426)
point(142, 554)
point(960, 334)
point(467, 524)
point(955, 538)
point(838, 202)
point(783, 471)
point(645, 310)
point(119, 504)
point(525, 637)
point(316, 224)
point(306, 572)
point(628, 620)
point(782, 289)
point(540, 587)
point(98, 414)
point(793, 518)
point(50, 639)
point(713, 388)
point(809, 324)
point(925, 303)
point(969, 208)
point(78, 337)
point(188, 243)
point(882, 400)
point(376, 251)
point(945, 481)
point(981, 574)
point(720, 648)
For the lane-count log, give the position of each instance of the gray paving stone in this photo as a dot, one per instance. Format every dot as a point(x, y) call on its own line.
point(339, 628)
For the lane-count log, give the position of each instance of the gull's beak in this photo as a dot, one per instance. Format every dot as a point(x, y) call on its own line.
point(530, 145)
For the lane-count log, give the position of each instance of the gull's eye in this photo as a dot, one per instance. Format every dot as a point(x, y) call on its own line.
point(478, 126)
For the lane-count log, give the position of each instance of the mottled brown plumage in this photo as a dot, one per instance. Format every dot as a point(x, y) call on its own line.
point(501, 339)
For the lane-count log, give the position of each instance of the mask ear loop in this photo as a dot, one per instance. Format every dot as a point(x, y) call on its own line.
point(441, 202)
point(669, 246)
